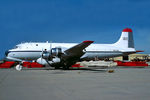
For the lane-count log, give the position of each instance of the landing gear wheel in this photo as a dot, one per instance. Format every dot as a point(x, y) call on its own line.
point(56, 67)
point(65, 67)
point(19, 67)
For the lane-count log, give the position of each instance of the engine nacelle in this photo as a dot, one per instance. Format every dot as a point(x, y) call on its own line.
point(56, 52)
point(50, 57)
point(56, 60)
point(41, 61)
point(45, 54)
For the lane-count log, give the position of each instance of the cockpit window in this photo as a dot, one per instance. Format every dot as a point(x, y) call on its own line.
point(15, 47)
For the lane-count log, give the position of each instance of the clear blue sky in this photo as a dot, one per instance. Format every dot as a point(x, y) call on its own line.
point(73, 21)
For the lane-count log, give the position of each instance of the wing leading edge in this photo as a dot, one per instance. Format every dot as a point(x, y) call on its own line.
point(78, 49)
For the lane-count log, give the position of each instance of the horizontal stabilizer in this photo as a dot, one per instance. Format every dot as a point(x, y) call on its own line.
point(139, 51)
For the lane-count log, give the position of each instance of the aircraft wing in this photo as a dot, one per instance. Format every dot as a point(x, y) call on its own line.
point(77, 50)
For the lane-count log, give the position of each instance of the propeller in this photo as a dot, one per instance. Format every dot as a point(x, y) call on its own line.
point(50, 45)
point(46, 54)
point(48, 57)
point(42, 55)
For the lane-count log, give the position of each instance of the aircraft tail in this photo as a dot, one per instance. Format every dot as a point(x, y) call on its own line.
point(126, 39)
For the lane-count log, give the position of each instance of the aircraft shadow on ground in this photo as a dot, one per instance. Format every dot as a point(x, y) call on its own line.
point(79, 69)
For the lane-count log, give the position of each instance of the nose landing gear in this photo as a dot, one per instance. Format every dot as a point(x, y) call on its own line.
point(18, 67)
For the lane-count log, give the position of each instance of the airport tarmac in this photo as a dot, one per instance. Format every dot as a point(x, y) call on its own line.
point(85, 84)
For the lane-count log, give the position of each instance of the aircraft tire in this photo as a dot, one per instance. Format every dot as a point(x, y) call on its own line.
point(18, 67)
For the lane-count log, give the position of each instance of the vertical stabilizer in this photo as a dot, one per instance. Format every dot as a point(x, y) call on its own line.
point(126, 39)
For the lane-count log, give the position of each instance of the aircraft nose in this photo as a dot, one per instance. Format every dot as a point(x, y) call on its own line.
point(6, 53)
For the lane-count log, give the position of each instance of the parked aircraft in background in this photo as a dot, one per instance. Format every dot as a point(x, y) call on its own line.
point(66, 54)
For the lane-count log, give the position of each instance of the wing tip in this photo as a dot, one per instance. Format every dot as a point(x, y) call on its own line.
point(88, 41)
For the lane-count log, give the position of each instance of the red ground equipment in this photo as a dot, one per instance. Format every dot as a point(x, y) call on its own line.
point(32, 65)
point(76, 65)
point(135, 63)
point(7, 64)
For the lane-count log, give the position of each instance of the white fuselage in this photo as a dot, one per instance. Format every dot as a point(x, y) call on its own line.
point(32, 51)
